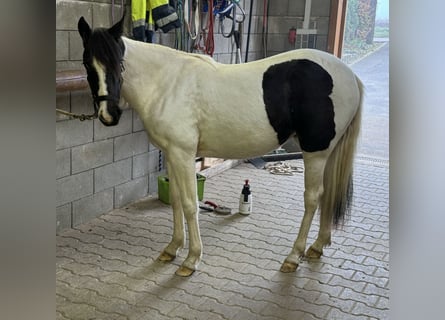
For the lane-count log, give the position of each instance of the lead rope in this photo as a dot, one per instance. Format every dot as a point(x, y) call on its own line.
point(191, 17)
point(81, 117)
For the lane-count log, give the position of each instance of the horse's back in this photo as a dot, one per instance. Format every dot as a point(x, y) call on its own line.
point(244, 110)
point(254, 107)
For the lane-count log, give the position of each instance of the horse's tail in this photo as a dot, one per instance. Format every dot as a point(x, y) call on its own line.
point(337, 181)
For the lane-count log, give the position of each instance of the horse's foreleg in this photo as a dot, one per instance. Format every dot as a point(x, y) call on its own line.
point(313, 182)
point(183, 170)
point(178, 239)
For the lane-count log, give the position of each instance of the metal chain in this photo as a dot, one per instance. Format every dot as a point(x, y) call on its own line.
point(81, 117)
point(283, 168)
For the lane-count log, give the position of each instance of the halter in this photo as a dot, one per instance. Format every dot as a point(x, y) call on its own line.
point(97, 99)
point(223, 10)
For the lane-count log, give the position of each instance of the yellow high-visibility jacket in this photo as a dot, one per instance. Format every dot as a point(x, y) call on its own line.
point(152, 14)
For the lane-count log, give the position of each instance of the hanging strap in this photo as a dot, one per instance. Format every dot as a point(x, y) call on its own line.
point(206, 34)
point(191, 17)
point(210, 40)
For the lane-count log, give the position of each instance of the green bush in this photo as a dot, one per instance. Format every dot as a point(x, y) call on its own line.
point(360, 21)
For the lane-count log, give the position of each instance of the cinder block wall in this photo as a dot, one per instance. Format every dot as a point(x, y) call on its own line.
point(98, 168)
point(101, 168)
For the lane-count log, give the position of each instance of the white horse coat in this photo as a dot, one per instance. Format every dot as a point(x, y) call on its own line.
point(199, 86)
point(192, 106)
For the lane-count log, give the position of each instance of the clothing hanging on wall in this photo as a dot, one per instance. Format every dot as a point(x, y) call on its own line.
point(149, 15)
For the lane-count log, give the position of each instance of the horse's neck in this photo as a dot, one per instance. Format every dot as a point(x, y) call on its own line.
point(146, 53)
point(147, 72)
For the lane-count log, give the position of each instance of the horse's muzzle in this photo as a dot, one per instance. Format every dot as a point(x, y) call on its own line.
point(107, 123)
point(113, 115)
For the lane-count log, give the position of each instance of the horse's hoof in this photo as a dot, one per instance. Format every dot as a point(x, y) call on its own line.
point(312, 253)
point(166, 257)
point(184, 271)
point(288, 267)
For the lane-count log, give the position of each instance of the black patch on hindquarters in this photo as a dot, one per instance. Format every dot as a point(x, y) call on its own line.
point(296, 95)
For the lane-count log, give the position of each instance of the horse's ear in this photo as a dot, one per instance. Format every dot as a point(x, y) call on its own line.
point(84, 30)
point(117, 30)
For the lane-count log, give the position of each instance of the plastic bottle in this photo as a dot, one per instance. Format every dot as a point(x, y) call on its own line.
point(245, 201)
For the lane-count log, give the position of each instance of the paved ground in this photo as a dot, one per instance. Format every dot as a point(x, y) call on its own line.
point(106, 269)
point(374, 72)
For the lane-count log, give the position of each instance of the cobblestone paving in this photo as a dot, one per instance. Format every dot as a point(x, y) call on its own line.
point(107, 268)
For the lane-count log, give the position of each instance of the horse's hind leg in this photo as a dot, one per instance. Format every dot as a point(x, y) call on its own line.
point(314, 164)
point(178, 238)
point(324, 237)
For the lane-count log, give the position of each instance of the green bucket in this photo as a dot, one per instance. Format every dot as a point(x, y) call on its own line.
point(164, 191)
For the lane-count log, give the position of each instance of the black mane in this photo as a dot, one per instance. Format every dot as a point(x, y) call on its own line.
point(106, 49)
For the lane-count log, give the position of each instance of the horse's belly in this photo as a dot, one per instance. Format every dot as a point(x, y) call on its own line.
point(239, 142)
point(237, 151)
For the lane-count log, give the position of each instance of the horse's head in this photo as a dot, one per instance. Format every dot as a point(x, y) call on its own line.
point(102, 58)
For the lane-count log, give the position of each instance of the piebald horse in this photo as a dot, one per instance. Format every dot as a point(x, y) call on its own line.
point(192, 106)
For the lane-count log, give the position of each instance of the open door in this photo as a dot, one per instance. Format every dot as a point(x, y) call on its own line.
point(336, 27)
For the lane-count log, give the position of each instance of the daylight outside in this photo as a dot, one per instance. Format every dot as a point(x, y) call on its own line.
point(366, 28)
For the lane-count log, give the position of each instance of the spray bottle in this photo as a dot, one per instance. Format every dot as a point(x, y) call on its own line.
point(245, 201)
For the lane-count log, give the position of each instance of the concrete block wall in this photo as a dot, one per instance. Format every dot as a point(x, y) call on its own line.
point(100, 168)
